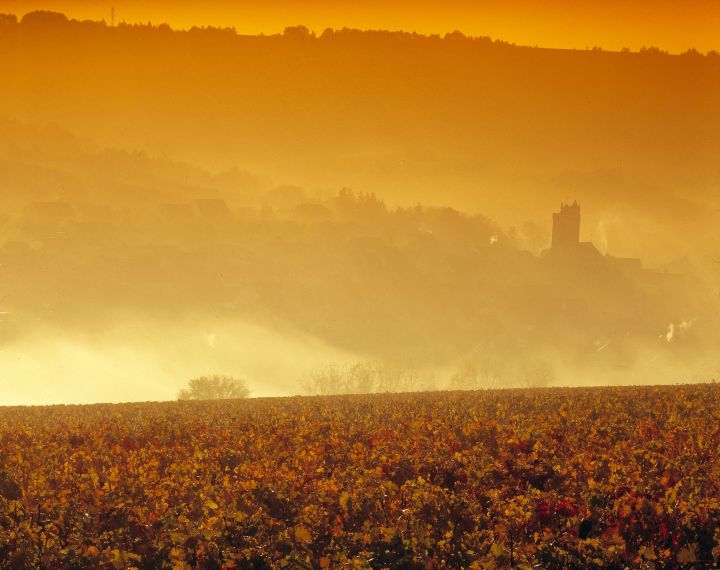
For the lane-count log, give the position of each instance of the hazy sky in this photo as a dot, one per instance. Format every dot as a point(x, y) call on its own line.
point(612, 24)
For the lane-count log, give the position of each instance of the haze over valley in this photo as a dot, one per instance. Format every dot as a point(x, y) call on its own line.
point(180, 202)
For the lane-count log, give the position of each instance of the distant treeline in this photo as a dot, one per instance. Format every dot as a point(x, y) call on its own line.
point(49, 19)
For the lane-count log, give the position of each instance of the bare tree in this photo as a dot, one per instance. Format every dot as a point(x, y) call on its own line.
point(214, 387)
point(365, 377)
point(537, 373)
point(481, 372)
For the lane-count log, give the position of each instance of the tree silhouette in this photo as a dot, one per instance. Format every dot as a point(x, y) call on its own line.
point(214, 387)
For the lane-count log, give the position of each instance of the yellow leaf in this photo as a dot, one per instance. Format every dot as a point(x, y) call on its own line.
point(92, 551)
point(302, 534)
point(497, 550)
point(647, 553)
point(344, 498)
point(390, 532)
point(671, 495)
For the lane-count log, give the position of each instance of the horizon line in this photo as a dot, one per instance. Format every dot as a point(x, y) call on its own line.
point(456, 34)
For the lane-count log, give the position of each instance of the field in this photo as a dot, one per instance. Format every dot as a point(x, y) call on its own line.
point(558, 478)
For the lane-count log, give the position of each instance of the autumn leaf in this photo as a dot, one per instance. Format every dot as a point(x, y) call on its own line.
point(468, 492)
point(687, 554)
point(302, 534)
point(344, 498)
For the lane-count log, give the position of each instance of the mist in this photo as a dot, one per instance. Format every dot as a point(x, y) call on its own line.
point(141, 360)
point(107, 298)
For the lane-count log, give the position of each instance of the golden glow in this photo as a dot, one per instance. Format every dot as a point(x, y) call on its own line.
point(179, 203)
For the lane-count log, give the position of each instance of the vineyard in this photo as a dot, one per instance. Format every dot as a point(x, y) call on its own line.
point(557, 478)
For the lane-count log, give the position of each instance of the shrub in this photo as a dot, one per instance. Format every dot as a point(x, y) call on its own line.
point(214, 387)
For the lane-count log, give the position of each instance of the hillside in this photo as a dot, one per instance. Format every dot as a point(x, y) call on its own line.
point(195, 201)
point(468, 122)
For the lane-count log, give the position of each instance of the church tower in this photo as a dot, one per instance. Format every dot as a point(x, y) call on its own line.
point(566, 226)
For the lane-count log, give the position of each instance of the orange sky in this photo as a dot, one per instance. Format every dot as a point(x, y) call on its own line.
point(671, 25)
